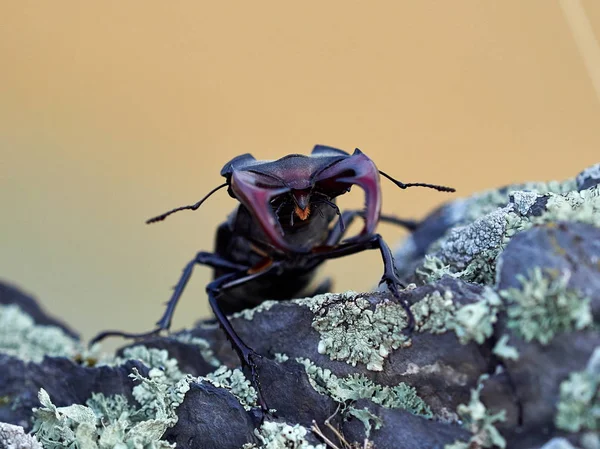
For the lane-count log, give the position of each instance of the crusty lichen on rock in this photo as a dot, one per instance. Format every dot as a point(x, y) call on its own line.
point(354, 330)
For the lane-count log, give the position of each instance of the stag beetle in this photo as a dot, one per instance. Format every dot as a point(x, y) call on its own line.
point(282, 230)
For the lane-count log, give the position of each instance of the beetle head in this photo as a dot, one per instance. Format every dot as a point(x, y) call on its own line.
point(326, 173)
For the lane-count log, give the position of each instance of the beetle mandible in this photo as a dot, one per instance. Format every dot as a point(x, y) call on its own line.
point(281, 231)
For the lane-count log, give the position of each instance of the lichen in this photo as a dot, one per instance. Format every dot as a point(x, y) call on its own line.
point(353, 330)
point(475, 321)
point(578, 407)
point(14, 437)
point(275, 435)
point(280, 357)
point(592, 172)
point(236, 383)
point(21, 337)
point(107, 422)
point(471, 250)
point(248, 314)
point(367, 417)
point(111, 421)
point(504, 350)
point(153, 358)
point(480, 422)
point(357, 386)
point(545, 306)
point(433, 312)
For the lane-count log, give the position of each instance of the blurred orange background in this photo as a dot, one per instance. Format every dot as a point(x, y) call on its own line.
point(112, 112)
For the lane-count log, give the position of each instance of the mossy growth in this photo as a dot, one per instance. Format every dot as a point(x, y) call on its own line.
point(277, 435)
point(348, 389)
point(480, 422)
point(545, 306)
point(578, 408)
point(21, 337)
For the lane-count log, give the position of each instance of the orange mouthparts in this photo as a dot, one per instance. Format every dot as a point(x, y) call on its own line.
point(302, 213)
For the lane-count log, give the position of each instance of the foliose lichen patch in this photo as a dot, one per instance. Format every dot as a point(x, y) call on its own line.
point(545, 306)
point(480, 422)
point(357, 386)
point(276, 435)
point(236, 383)
point(106, 422)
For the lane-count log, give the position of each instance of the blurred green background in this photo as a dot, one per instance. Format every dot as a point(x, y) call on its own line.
point(112, 112)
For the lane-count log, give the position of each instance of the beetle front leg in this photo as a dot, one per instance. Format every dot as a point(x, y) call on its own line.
point(164, 323)
point(389, 274)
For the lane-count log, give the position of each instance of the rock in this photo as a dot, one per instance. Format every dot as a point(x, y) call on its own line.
point(504, 351)
point(211, 417)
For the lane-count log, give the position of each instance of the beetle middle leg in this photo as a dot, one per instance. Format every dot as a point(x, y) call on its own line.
point(164, 323)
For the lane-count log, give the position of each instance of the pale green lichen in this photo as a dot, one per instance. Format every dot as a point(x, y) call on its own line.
point(205, 350)
point(367, 417)
point(248, 314)
point(280, 357)
point(153, 358)
point(108, 422)
point(475, 321)
point(545, 306)
point(579, 403)
point(504, 350)
point(433, 312)
point(357, 386)
point(21, 337)
point(480, 422)
point(275, 435)
point(236, 383)
point(354, 330)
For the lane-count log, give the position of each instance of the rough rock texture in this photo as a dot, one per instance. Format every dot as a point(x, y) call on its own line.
point(505, 352)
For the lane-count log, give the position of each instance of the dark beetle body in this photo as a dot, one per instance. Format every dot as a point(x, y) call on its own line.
point(234, 242)
point(284, 228)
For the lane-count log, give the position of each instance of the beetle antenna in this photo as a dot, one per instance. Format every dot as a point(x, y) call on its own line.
point(161, 217)
point(418, 184)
